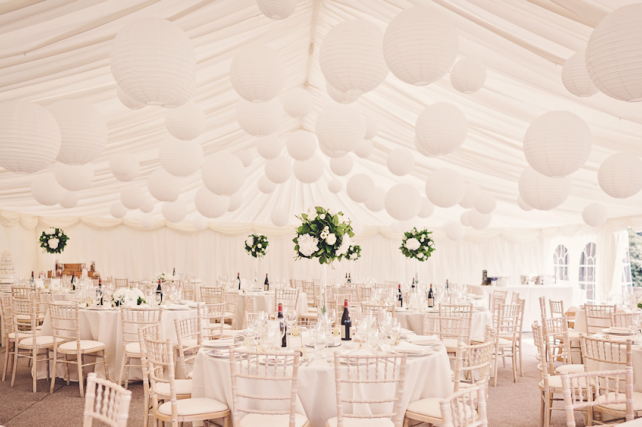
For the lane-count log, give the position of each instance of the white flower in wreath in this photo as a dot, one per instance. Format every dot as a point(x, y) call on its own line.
point(420, 255)
point(250, 241)
point(308, 245)
point(422, 240)
point(412, 244)
point(53, 243)
point(331, 239)
point(312, 216)
point(322, 217)
point(354, 255)
point(259, 246)
point(345, 245)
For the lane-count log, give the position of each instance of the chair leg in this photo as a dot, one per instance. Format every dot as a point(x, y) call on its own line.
point(81, 381)
point(146, 407)
point(541, 410)
point(122, 369)
point(127, 365)
point(547, 413)
point(6, 359)
point(514, 359)
point(67, 375)
point(495, 369)
point(521, 369)
point(15, 365)
point(53, 374)
point(106, 365)
point(34, 369)
point(47, 363)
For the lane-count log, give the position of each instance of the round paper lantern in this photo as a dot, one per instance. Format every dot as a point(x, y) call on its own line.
point(277, 9)
point(485, 202)
point(259, 119)
point(420, 45)
point(30, 138)
point(223, 174)
point(265, 185)
point(83, 130)
point(185, 122)
point(278, 170)
point(620, 175)
point(351, 57)
point(341, 98)
point(308, 171)
point(335, 186)
point(421, 149)
point(74, 177)
point(468, 75)
point(153, 61)
point(575, 77)
point(427, 208)
point(364, 148)
point(269, 147)
point(236, 200)
point(279, 217)
point(301, 145)
point(441, 128)
point(200, 223)
point(257, 73)
point(69, 200)
point(557, 143)
point(181, 158)
point(339, 129)
point(376, 201)
point(147, 221)
point(211, 205)
point(342, 166)
point(463, 218)
point(174, 211)
point(46, 190)
point(297, 103)
point(595, 214)
point(132, 196)
point(400, 161)
point(125, 167)
point(403, 202)
point(542, 192)
point(360, 187)
point(470, 195)
point(372, 127)
point(127, 100)
point(614, 54)
point(246, 157)
point(117, 210)
point(147, 206)
point(445, 188)
point(163, 186)
point(478, 220)
point(454, 230)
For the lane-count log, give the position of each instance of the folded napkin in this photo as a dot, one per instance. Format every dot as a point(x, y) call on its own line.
point(620, 330)
point(406, 331)
point(422, 339)
point(360, 352)
point(225, 341)
point(410, 348)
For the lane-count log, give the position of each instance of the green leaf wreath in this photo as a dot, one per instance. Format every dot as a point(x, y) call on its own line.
point(325, 234)
point(54, 243)
point(417, 244)
point(256, 245)
point(354, 253)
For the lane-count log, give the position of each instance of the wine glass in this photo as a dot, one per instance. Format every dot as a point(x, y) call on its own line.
point(290, 319)
point(320, 341)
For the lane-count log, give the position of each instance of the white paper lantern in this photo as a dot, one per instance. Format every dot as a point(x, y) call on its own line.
point(445, 188)
point(127, 100)
point(403, 202)
point(200, 223)
point(360, 188)
point(427, 208)
point(341, 98)
point(125, 167)
point(595, 214)
point(351, 57)
point(279, 217)
point(277, 9)
point(421, 149)
point(211, 205)
point(257, 73)
point(259, 119)
point(302, 145)
point(185, 122)
point(46, 190)
point(463, 218)
point(454, 230)
point(335, 186)
point(297, 103)
point(132, 196)
point(522, 204)
point(342, 166)
point(117, 210)
point(269, 147)
point(181, 158)
point(614, 54)
point(376, 201)
point(163, 186)
point(364, 148)
point(420, 45)
point(620, 175)
point(485, 202)
point(478, 220)
point(69, 200)
point(83, 130)
point(308, 171)
point(340, 128)
point(278, 170)
point(542, 192)
point(400, 161)
point(372, 128)
point(174, 211)
point(246, 157)
point(147, 221)
point(557, 143)
point(468, 75)
point(74, 177)
point(30, 138)
point(470, 195)
point(265, 185)
point(575, 77)
point(441, 128)
point(236, 200)
point(153, 61)
point(147, 206)
point(223, 174)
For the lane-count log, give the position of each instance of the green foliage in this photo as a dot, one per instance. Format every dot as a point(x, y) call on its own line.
point(57, 234)
point(635, 253)
point(426, 244)
point(320, 227)
point(259, 248)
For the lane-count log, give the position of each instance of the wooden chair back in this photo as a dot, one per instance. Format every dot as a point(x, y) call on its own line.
point(288, 297)
point(188, 330)
point(557, 308)
point(188, 288)
point(474, 358)
point(625, 320)
point(514, 298)
point(506, 320)
point(231, 301)
point(160, 370)
point(601, 350)
point(21, 292)
point(458, 410)
point(598, 317)
point(374, 309)
point(495, 299)
point(213, 316)
point(5, 315)
point(106, 402)
point(465, 311)
point(556, 341)
point(134, 318)
point(212, 294)
point(310, 291)
point(542, 307)
point(364, 292)
point(121, 283)
point(64, 322)
point(24, 319)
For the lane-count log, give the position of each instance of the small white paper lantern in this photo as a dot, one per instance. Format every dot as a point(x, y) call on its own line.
point(335, 186)
point(278, 170)
point(163, 186)
point(297, 103)
point(117, 210)
point(174, 211)
point(440, 129)
point(265, 185)
point(277, 9)
point(185, 122)
point(259, 119)
point(30, 137)
point(181, 158)
point(147, 206)
point(302, 145)
point(153, 61)
point(69, 200)
point(132, 196)
point(360, 188)
point(364, 148)
point(400, 161)
point(279, 217)
point(403, 202)
point(342, 166)
point(620, 175)
point(372, 128)
point(463, 218)
point(420, 45)
point(340, 128)
point(200, 223)
point(427, 208)
point(557, 143)
point(470, 195)
point(308, 171)
point(147, 221)
point(485, 202)
point(211, 205)
point(223, 174)
point(257, 73)
point(421, 149)
point(575, 77)
point(269, 147)
point(376, 201)
point(478, 220)
point(127, 100)
point(351, 57)
point(542, 192)
point(74, 177)
point(83, 130)
point(341, 98)
point(46, 190)
point(445, 188)
point(595, 214)
point(468, 75)
point(236, 200)
point(614, 54)
point(454, 230)
point(246, 157)
point(125, 167)
point(522, 204)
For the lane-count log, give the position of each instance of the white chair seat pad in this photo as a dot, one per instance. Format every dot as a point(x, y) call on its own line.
point(182, 387)
point(260, 420)
point(190, 375)
point(637, 402)
point(12, 335)
point(431, 407)
point(502, 342)
point(364, 422)
point(450, 343)
point(133, 347)
point(84, 345)
point(478, 340)
point(40, 341)
point(226, 326)
point(556, 382)
point(194, 406)
point(571, 369)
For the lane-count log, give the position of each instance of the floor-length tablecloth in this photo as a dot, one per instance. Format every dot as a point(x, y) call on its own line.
point(414, 321)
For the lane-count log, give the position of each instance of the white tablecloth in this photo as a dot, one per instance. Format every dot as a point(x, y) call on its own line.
point(415, 322)
point(264, 301)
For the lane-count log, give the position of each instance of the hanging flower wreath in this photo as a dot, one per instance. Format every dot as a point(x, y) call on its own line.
point(256, 245)
point(54, 243)
point(417, 244)
point(354, 253)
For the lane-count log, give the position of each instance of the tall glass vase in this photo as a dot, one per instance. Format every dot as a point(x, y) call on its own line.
point(255, 285)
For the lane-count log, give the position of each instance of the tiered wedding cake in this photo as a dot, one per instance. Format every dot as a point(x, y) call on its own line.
point(7, 272)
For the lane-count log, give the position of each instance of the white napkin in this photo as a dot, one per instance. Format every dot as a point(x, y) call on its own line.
point(620, 330)
point(360, 352)
point(224, 341)
point(422, 339)
point(409, 348)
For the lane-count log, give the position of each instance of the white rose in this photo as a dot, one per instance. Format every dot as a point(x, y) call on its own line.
point(422, 240)
point(307, 245)
point(322, 216)
point(331, 239)
point(420, 255)
point(353, 255)
point(345, 245)
point(250, 241)
point(412, 244)
point(53, 243)
point(259, 246)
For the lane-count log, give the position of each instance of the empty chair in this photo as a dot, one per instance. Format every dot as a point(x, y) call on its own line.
point(558, 346)
point(213, 316)
point(506, 320)
point(231, 300)
point(189, 333)
point(154, 333)
point(542, 307)
point(288, 297)
point(106, 402)
point(121, 283)
point(364, 292)
point(459, 409)
point(625, 320)
point(188, 289)
point(557, 308)
point(598, 317)
point(131, 320)
point(212, 294)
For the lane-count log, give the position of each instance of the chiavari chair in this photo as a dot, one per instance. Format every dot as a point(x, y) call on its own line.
point(212, 294)
point(557, 308)
point(374, 309)
point(542, 307)
point(625, 320)
point(450, 331)
point(506, 323)
point(189, 333)
point(495, 299)
point(288, 297)
point(188, 288)
point(514, 298)
point(598, 317)
point(465, 311)
point(106, 402)
point(10, 335)
point(231, 300)
point(213, 316)
point(310, 291)
point(558, 346)
point(21, 292)
point(459, 409)
point(121, 283)
point(131, 320)
point(519, 342)
point(364, 292)
point(153, 332)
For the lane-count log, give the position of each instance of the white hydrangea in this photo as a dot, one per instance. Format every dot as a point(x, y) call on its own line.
point(345, 245)
point(308, 245)
point(412, 244)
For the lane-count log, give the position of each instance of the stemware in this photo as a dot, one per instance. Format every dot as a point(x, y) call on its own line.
point(320, 341)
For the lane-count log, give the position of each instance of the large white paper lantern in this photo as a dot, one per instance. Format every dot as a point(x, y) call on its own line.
point(522, 204)
point(342, 166)
point(421, 149)
point(403, 202)
point(400, 161)
point(557, 143)
point(117, 210)
point(427, 208)
point(440, 129)
point(420, 45)
point(445, 188)
point(614, 54)
point(485, 202)
point(341, 98)
point(259, 119)
point(470, 195)
point(360, 188)
point(46, 190)
point(339, 129)
point(301, 145)
point(376, 200)
point(279, 217)
point(236, 200)
point(147, 221)
point(308, 171)
point(265, 185)
point(542, 192)
point(297, 103)
point(575, 77)
point(181, 158)
point(163, 186)
point(127, 100)
point(454, 230)
point(351, 57)
point(335, 186)
point(124, 166)
point(223, 174)
point(132, 196)
point(364, 148)
point(277, 9)
point(83, 130)
point(463, 218)
point(153, 61)
point(372, 128)
point(69, 200)
point(147, 206)
point(478, 220)
point(620, 175)
point(246, 157)
point(185, 122)
point(74, 177)
point(200, 223)
point(278, 170)
point(595, 214)
point(174, 211)
point(257, 73)
point(30, 137)
point(468, 75)
point(269, 147)
point(211, 205)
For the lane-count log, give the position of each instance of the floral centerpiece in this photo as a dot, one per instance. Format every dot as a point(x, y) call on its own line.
point(417, 244)
point(324, 234)
point(256, 245)
point(54, 243)
point(354, 253)
point(128, 297)
point(166, 276)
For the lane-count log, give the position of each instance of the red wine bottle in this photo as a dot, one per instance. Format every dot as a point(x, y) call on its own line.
point(159, 291)
point(400, 298)
point(346, 323)
point(266, 284)
point(100, 290)
point(73, 285)
point(431, 298)
point(284, 341)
